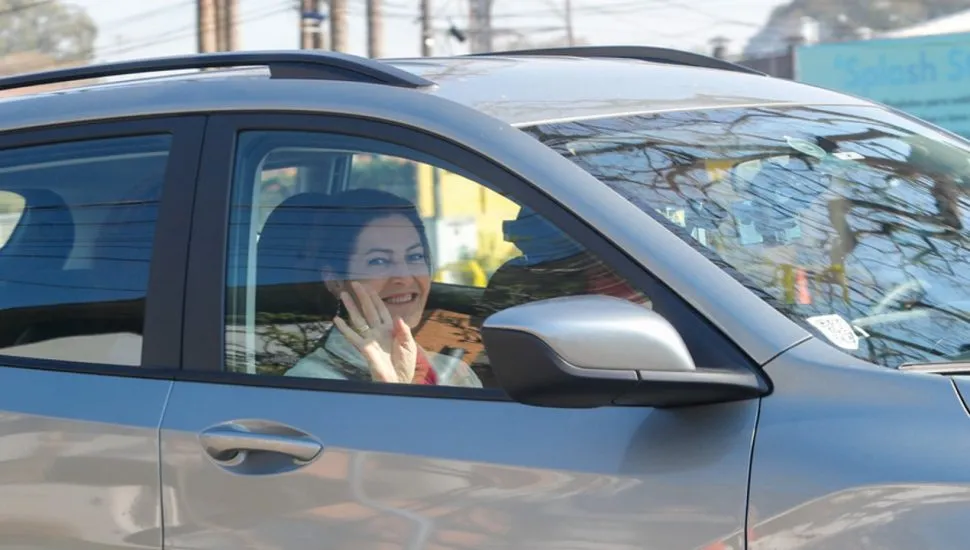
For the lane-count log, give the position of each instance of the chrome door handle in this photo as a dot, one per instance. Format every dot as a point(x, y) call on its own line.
point(225, 443)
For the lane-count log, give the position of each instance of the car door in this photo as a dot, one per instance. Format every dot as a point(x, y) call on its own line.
point(92, 246)
point(259, 452)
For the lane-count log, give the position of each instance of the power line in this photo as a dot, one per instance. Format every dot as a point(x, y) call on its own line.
point(148, 14)
point(17, 9)
point(185, 32)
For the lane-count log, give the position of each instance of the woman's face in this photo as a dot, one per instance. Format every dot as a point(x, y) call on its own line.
point(390, 259)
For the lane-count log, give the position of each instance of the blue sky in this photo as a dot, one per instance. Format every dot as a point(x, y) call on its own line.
point(164, 27)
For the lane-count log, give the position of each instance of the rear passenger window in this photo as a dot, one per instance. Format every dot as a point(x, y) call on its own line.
point(77, 221)
point(11, 209)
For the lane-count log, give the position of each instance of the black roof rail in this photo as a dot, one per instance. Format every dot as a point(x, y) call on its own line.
point(644, 53)
point(296, 64)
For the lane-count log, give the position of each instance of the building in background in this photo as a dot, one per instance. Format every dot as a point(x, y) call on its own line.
point(951, 24)
point(926, 75)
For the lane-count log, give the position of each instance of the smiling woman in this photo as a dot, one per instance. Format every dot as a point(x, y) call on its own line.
point(374, 259)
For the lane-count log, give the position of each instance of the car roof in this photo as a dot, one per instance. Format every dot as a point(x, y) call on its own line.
point(526, 90)
point(521, 90)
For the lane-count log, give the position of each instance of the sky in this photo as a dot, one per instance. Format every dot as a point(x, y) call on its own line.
point(143, 28)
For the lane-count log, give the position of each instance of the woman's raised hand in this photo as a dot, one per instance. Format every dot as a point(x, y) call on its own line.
point(386, 343)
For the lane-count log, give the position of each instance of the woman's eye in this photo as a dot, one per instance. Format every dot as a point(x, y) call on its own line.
point(416, 257)
point(377, 261)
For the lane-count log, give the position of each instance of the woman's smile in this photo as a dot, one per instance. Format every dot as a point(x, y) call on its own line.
point(400, 298)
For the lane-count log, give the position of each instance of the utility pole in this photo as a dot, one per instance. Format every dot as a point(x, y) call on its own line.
point(338, 25)
point(308, 24)
point(227, 30)
point(206, 26)
point(570, 39)
point(220, 25)
point(375, 28)
point(427, 32)
point(480, 25)
point(487, 31)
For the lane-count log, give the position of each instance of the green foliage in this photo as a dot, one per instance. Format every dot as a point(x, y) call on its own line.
point(57, 30)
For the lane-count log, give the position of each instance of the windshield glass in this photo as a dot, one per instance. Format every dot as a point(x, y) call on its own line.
point(850, 220)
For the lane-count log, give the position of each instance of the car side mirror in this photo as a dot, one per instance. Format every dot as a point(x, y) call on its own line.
point(592, 351)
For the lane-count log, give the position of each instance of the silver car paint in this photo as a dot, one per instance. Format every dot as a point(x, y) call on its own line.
point(610, 337)
point(517, 90)
point(426, 473)
point(847, 455)
point(850, 455)
point(79, 461)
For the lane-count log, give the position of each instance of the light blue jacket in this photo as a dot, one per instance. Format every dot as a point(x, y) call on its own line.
point(338, 359)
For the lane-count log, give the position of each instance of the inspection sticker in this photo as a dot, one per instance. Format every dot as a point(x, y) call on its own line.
point(837, 330)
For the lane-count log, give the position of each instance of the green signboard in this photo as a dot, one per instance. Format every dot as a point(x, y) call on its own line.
point(928, 77)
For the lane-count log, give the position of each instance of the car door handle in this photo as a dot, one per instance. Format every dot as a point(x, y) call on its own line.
point(227, 442)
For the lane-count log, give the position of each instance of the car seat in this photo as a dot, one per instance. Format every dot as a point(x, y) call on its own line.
point(552, 265)
point(32, 262)
point(287, 278)
point(43, 238)
point(548, 266)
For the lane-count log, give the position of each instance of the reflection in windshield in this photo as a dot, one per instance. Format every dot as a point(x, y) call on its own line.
point(850, 219)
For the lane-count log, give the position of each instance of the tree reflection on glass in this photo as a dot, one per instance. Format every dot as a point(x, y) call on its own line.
point(822, 210)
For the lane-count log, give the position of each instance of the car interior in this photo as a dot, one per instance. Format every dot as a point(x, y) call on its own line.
point(75, 264)
point(285, 302)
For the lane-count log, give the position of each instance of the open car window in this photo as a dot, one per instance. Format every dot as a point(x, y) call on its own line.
point(458, 250)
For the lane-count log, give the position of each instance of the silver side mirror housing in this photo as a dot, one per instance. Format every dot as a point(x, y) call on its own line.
point(591, 351)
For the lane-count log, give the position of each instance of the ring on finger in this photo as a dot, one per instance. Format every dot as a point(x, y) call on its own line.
point(362, 328)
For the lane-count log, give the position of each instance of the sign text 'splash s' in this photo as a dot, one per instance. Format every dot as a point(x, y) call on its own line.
point(928, 77)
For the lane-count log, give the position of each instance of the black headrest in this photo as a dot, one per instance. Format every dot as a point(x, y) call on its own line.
point(287, 275)
point(43, 237)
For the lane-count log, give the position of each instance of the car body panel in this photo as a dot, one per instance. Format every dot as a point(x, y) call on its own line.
point(962, 383)
point(435, 473)
point(79, 460)
point(850, 455)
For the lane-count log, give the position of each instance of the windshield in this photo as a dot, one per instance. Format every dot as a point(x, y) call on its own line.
point(849, 220)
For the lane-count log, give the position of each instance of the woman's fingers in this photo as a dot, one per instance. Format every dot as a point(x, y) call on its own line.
point(382, 312)
point(349, 333)
point(402, 333)
point(356, 319)
point(377, 359)
point(366, 298)
point(404, 352)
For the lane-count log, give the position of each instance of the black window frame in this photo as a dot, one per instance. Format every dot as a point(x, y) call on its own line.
point(205, 313)
point(162, 330)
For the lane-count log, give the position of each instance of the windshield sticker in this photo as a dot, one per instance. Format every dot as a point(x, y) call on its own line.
point(848, 155)
point(839, 331)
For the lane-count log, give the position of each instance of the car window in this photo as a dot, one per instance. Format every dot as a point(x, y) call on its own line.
point(850, 220)
point(436, 248)
point(77, 222)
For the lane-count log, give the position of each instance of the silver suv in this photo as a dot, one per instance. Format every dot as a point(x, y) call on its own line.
point(605, 298)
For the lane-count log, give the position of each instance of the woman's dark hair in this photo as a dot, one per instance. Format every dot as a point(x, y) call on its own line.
point(312, 232)
point(346, 215)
